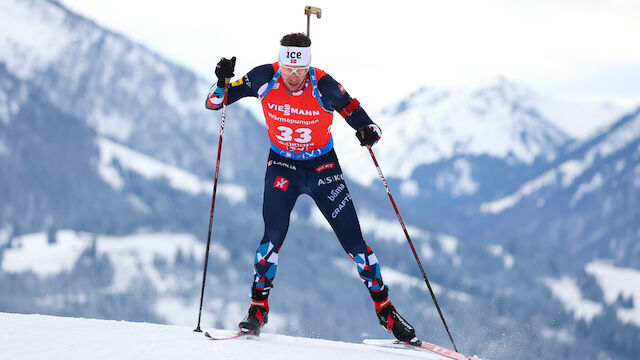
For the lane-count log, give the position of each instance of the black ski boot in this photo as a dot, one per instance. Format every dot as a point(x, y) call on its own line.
point(389, 318)
point(258, 313)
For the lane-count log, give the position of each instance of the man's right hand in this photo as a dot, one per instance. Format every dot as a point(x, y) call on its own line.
point(224, 70)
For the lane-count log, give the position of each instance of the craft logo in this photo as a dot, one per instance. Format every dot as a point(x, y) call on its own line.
point(281, 183)
point(325, 166)
point(341, 206)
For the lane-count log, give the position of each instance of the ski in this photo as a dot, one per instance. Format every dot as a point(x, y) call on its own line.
point(419, 345)
point(236, 335)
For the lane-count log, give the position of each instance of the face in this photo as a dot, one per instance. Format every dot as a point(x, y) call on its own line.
point(294, 77)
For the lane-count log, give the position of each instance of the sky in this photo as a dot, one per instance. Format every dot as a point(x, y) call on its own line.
point(582, 50)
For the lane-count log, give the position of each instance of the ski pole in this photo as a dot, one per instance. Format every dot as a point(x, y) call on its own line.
point(310, 10)
point(213, 200)
point(413, 249)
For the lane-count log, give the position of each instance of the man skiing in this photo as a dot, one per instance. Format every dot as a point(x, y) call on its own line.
point(298, 103)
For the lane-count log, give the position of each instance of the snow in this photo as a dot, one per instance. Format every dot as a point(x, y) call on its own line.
point(497, 118)
point(580, 120)
point(617, 281)
point(10, 104)
point(399, 279)
point(32, 252)
point(528, 188)
point(567, 291)
point(406, 282)
point(76, 338)
point(371, 224)
point(4, 150)
point(152, 169)
point(562, 336)
point(448, 243)
point(572, 169)
point(409, 188)
point(5, 234)
point(458, 181)
point(110, 125)
point(389, 230)
point(134, 254)
point(585, 188)
point(32, 37)
point(498, 251)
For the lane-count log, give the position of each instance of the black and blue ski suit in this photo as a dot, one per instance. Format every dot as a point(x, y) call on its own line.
point(297, 164)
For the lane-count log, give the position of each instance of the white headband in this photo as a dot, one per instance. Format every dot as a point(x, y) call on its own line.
point(295, 56)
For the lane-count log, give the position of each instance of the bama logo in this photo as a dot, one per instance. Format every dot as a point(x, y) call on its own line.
point(325, 166)
point(281, 183)
point(288, 110)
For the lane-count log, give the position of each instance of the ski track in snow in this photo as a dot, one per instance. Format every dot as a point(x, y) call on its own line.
point(74, 338)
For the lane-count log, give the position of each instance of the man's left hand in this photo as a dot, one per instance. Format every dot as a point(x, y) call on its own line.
point(368, 134)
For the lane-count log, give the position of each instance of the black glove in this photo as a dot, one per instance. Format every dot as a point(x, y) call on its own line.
point(368, 134)
point(224, 70)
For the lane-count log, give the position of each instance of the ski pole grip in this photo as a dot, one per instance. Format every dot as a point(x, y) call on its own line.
point(310, 10)
point(362, 133)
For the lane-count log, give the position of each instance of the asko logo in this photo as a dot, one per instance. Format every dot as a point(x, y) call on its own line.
point(325, 166)
point(281, 183)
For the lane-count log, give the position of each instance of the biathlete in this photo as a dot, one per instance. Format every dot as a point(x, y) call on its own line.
point(298, 103)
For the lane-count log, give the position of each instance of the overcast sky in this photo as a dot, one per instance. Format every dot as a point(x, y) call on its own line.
point(383, 50)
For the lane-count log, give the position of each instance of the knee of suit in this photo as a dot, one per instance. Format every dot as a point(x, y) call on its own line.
point(275, 237)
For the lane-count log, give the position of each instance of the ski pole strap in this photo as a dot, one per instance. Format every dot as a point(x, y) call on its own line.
point(350, 108)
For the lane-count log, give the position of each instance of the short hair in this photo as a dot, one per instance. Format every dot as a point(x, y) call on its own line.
point(295, 39)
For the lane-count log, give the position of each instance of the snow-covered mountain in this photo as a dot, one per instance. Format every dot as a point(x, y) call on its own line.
point(498, 118)
point(106, 157)
point(587, 201)
point(117, 87)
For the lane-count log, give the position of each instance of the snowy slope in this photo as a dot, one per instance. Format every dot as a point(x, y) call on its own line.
point(75, 338)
